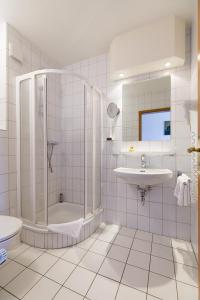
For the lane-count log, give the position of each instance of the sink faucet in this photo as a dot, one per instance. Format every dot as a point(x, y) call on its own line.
point(143, 161)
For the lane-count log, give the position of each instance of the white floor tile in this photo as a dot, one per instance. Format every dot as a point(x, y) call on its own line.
point(80, 280)
point(43, 263)
point(124, 241)
point(97, 233)
point(57, 252)
point(86, 244)
point(186, 274)
point(186, 291)
point(107, 236)
point(10, 271)
point(118, 253)
point(111, 228)
point(92, 261)
point(23, 283)
point(60, 271)
point(112, 269)
point(143, 235)
point(128, 293)
point(183, 245)
point(163, 240)
point(184, 257)
point(139, 259)
point(100, 247)
point(66, 294)
point(162, 251)
point(162, 287)
point(127, 231)
point(74, 254)
point(102, 288)
point(18, 250)
point(45, 289)
point(162, 266)
point(5, 263)
point(6, 296)
point(143, 246)
point(28, 256)
point(135, 277)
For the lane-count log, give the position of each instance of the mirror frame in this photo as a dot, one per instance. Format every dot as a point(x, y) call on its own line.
point(142, 112)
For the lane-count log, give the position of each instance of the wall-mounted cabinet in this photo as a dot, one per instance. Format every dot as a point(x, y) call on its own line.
point(156, 46)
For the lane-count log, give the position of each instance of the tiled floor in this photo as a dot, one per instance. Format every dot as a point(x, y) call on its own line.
point(114, 264)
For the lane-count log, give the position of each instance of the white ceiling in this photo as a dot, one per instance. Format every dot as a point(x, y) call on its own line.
point(71, 30)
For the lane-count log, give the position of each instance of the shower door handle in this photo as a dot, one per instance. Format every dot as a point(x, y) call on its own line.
point(193, 149)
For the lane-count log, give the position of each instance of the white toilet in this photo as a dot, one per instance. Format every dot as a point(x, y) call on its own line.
point(10, 229)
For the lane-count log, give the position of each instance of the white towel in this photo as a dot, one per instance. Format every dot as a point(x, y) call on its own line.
point(3, 256)
point(71, 229)
point(182, 190)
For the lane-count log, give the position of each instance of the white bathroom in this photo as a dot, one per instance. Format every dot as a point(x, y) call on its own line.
point(99, 114)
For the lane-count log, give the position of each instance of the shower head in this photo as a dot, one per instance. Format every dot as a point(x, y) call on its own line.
point(52, 143)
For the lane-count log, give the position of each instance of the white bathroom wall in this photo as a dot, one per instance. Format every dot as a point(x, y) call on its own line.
point(33, 59)
point(121, 203)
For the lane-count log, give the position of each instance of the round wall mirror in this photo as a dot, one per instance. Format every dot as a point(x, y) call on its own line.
point(112, 110)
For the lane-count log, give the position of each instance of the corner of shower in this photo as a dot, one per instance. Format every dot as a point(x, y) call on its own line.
point(59, 151)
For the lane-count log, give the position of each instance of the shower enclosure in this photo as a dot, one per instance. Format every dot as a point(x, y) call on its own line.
point(58, 151)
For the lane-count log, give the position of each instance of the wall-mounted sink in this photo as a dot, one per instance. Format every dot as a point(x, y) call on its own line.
point(144, 177)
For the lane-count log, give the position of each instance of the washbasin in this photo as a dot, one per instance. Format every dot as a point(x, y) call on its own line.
point(144, 177)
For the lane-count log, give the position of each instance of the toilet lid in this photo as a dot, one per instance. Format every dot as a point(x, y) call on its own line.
point(9, 226)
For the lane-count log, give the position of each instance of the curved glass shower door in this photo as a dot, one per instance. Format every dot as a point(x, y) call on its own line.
point(40, 150)
point(25, 163)
point(59, 147)
point(65, 150)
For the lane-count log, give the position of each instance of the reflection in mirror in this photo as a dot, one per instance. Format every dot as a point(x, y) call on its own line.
point(146, 110)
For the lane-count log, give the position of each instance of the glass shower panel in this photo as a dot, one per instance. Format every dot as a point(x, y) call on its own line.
point(40, 150)
point(54, 135)
point(26, 187)
point(97, 146)
point(89, 162)
point(65, 146)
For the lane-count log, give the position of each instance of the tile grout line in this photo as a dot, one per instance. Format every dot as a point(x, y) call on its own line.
point(87, 250)
point(42, 275)
point(175, 275)
point(149, 267)
point(77, 265)
point(101, 264)
point(125, 264)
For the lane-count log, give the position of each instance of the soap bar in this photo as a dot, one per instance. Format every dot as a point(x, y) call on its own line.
point(131, 149)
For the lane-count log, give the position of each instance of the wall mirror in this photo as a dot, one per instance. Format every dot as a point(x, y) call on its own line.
point(146, 110)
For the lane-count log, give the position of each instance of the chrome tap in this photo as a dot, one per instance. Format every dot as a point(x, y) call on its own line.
point(143, 161)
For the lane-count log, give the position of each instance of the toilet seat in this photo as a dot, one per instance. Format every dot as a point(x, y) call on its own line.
point(9, 227)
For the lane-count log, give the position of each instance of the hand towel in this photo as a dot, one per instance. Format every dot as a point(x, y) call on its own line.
point(71, 229)
point(3, 256)
point(182, 190)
